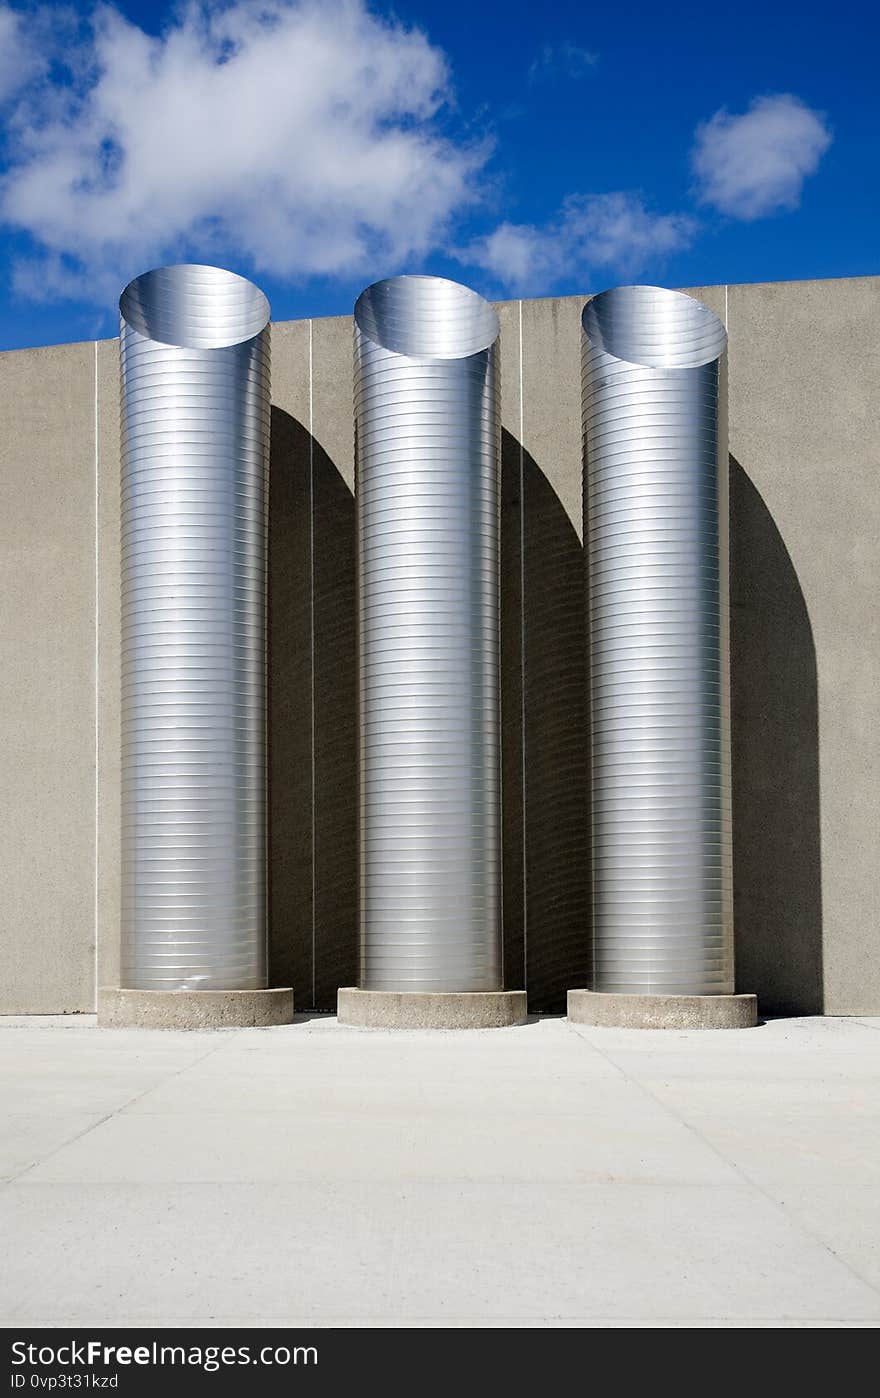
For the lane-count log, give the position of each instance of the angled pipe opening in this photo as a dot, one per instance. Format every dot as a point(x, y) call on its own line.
point(426, 318)
point(653, 327)
point(192, 306)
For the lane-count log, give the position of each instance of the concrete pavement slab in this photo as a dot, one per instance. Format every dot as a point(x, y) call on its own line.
point(843, 1217)
point(626, 1136)
point(778, 1152)
point(24, 1140)
point(435, 1251)
point(56, 1071)
point(316, 1175)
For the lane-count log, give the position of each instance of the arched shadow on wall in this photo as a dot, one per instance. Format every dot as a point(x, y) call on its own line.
point(312, 718)
point(550, 686)
point(777, 885)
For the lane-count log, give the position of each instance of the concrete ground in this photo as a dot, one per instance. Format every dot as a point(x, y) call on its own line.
point(549, 1174)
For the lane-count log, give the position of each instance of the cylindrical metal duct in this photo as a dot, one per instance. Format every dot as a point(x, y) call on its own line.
point(655, 510)
point(427, 418)
point(195, 459)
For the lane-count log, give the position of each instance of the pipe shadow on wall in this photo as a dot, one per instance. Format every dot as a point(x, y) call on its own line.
point(313, 771)
point(777, 887)
point(312, 726)
point(543, 706)
point(312, 720)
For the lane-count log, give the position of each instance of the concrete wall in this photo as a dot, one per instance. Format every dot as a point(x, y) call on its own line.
point(805, 526)
point(47, 678)
point(805, 501)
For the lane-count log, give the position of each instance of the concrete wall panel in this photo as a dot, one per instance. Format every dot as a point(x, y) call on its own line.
point(335, 674)
point(554, 655)
point(290, 716)
point(511, 561)
point(47, 679)
point(805, 507)
point(108, 687)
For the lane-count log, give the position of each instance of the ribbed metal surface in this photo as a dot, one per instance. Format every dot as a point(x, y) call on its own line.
point(428, 465)
point(655, 501)
point(195, 440)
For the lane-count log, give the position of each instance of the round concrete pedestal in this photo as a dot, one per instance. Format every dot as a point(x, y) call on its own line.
point(604, 1008)
point(193, 1009)
point(416, 1009)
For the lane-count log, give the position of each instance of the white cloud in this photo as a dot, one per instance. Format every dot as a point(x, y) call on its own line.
point(592, 232)
point(303, 136)
point(307, 138)
point(20, 59)
point(566, 59)
point(755, 164)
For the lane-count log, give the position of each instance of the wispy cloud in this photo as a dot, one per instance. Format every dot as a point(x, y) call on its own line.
point(756, 163)
point(565, 60)
point(301, 136)
point(20, 57)
point(599, 232)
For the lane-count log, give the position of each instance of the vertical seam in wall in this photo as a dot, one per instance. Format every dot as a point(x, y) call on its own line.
point(522, 657)
point(501, 708)
point(314, 803)
point(499, 703)
point(97, 655)
point(726, 320)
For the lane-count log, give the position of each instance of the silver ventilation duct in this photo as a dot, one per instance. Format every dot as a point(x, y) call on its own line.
point(195, 444)
point(655, 502)
point(428, 463)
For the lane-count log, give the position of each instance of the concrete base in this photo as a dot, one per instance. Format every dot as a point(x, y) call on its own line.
point(193, 1009)
point(598, 1007)
point(413, 1009)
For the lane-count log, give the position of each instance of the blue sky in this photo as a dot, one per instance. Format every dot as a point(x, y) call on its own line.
point(524, 149)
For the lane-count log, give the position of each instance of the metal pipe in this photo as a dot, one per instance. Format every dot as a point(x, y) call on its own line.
point(194, 349)
point(428, 437)
point(656, 523)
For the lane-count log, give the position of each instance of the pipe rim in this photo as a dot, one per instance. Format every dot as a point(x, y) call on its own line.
point(653, 327)
point(192, 305)
point(426, 317)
